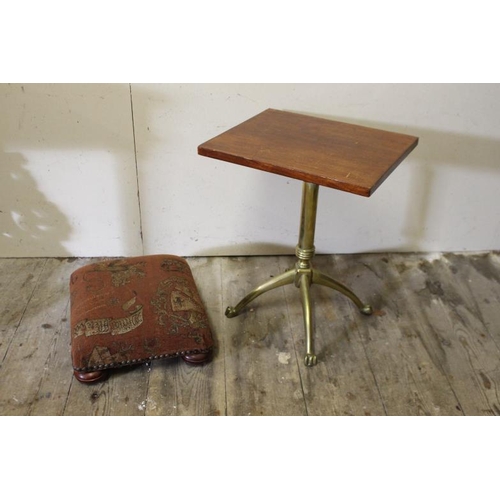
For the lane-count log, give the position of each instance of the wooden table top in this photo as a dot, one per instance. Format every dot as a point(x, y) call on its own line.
point(325, 152)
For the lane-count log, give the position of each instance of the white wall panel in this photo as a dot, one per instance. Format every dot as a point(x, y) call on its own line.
point(67, 171)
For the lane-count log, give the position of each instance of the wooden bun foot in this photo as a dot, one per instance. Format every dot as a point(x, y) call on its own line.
point(91, 377)
point(196, 359)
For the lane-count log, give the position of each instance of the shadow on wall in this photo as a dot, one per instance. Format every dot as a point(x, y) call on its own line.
point(479, 155)
point(426, 205)
point(68, 180)
point(433, 202)
point(27, 218)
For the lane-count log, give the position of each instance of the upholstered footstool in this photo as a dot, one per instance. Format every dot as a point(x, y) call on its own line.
point(134, 310)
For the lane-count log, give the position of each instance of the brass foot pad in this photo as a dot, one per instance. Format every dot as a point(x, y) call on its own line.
point(367, 310)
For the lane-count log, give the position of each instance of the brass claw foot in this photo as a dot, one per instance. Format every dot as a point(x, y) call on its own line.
point(310, 359)
point(231, 312)
point(367, 310)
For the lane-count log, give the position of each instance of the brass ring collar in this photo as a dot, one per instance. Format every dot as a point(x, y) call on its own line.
point(304, 253)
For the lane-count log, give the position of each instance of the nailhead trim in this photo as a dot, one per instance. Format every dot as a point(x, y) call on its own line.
point(137, 361)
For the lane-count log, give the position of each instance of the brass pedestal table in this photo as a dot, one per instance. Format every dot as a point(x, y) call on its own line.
point(318, 152)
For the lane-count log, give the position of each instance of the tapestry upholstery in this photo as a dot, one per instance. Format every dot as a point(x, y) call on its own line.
point(132, 310)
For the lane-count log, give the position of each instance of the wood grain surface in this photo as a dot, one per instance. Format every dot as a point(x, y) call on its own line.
point(325, 152)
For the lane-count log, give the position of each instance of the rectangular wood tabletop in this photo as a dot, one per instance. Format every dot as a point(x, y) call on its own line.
point(325, 152)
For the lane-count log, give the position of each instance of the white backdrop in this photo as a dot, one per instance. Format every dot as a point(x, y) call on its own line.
point(84, 167)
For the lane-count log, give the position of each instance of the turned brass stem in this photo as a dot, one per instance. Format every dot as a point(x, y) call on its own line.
point(305, 247)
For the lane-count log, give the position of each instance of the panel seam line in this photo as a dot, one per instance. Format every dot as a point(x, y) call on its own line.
point(136, 167)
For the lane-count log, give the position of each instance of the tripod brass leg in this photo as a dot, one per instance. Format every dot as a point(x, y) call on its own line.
point(304, 284)
point(304, 275)
point(319, 278)
point(283, 279)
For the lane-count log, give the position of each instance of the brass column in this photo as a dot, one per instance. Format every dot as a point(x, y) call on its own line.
point(303, 276)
